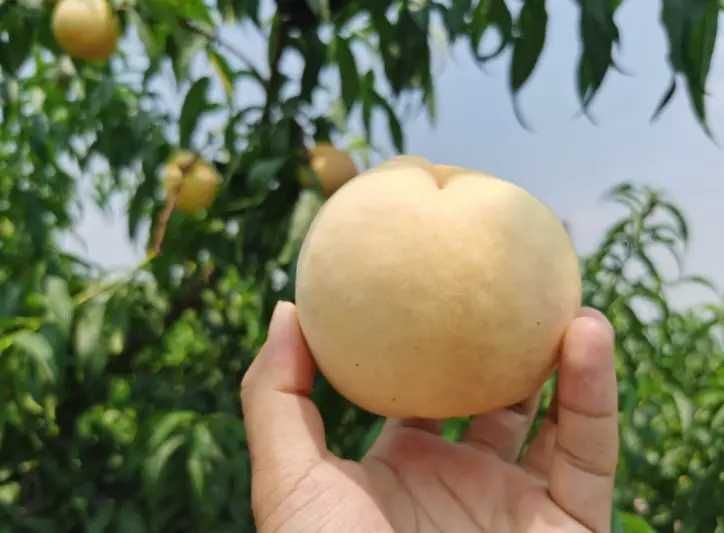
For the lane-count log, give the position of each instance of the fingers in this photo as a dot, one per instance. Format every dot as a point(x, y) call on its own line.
point(283, 426)
point(393, 426)
point(503, 431)
point(585, 451)
point(539, 455)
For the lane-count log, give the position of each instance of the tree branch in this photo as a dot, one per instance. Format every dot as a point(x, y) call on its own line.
point(214, 38)
point(278, 41)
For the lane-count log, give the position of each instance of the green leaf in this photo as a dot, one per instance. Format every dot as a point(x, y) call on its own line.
point(168, 424)
point(665, 99)
point(142, 198)
point(691, 28)
point(251, 8)
point(262, 172)
point(710, 398)
point(649, 265)
point(60, 304)
point(313, 52)
point(678, 217)
point(156, 461)
point(348, 75)
point(598, 34)
point(101, 518)
point(275, 39)
point(41, 352)
point(527, 46)
point(21, 34)
point(393, 123)
point(479, 24)
point(205, 443)
point(305, 210)
point(153, 39)
point(320, 8)
point(196, 472)
point(702, 40)
point(616, 525)
point(454, 428)
point(685, 408)
point(195, 10)
point(223, 72)
point(181, 48)
point(129, 519)
point(698, 280)
point(195, 104)
point(368, 92)
point(371, 436)
point(497, 14)
point(717, 421)
point(634, 524)
point(455, 15)
point(91, 354)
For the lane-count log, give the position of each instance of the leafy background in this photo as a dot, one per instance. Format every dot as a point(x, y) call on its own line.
point(119, 406)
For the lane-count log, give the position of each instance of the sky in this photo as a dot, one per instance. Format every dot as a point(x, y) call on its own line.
point(567, 161)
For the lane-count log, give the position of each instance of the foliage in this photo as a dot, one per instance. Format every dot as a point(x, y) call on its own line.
point(119, 406)
point(670, 367)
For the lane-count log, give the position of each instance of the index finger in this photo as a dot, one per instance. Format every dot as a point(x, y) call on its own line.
point(581, 475)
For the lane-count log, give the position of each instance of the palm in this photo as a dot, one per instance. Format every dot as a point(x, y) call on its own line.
point(413, 480)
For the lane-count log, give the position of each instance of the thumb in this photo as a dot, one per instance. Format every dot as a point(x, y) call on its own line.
point(283, 426)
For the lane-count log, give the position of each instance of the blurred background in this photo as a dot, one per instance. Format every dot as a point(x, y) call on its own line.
point(127, 320)
point(570, 162)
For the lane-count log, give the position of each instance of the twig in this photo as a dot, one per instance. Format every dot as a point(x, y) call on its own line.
point(275, 78)
point(163, 219)
point(223, 44)
point(171, 199)
point(96, 290)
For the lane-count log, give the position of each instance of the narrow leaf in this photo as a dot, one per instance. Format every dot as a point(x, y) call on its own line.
point(348, 75)
point(697, 60)
point(169, 424)
point(156, 462)
point(40, 351)
point(130, 520)
point(665, 99)
point(223, 72)
point(528, 45)
point(497, 14)
point(195, 470)
point(88, 334)
point(598, 35)
point(60, 304)
point(393, 123)
point(679, 218)
point(685, 407)
point(195, 104)
point(265, 170)
point(632, 523)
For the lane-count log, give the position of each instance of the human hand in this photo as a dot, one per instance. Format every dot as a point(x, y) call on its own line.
point(412, 480)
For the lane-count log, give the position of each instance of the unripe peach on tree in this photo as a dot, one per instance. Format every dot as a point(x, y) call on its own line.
point(192, 182)
point(331, 166)
point(86, 29)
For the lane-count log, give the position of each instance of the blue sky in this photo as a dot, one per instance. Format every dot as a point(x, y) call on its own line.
point(567, 161)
